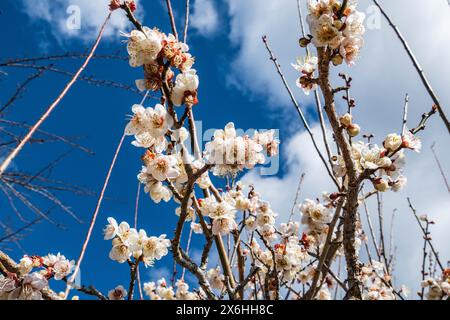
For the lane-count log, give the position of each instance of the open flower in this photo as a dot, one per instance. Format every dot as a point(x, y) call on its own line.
point(315, 215)
point(186, 85)
point(410, 141)
point(215, 278)
point(144, 47)
point(120, 251)
point(324, 32)
point(164, 167)
point(159, 121)
point(306, 65)
point(350, 48)
point(118, 293)
point(59, 265)
point(372, 157)
point(392, 142)
point(155, 248)
point(223, 215)
point(111, 229)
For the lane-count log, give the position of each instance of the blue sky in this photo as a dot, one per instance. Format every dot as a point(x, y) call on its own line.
point(237, 83)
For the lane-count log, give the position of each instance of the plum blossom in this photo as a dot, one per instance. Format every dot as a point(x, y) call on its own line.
point(111, 230)
point(306, 66)
point(324, 31)
point(222, 213)
point(118, 293)
point(144, 47)
point(215, 278)
point(26, 264)
point(350, 48)
point(393, 142)
point(59, 264)
point(315, 215)
point(186, 85)
point(410, 141)
point(372, 158)
point(128, 242)
point(31, 287)
point(156, 189)
point(163, 167)
point(231, 154)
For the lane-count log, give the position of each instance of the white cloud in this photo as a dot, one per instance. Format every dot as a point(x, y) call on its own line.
point(205, 18)
point(77, 18)
point(381, 78)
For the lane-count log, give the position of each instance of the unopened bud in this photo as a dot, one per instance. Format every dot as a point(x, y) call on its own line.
point(337, 60)
point(114, 5)
point(381, 185)
point(353, 130)
point(303, 42)
point(346, 120)
point(132, 5)
point(338, 24)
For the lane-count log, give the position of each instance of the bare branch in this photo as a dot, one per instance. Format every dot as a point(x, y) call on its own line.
point(7, 161)
point(299, 110)
point(416, 65)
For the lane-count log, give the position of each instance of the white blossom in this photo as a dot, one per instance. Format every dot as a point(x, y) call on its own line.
point(118, 293)
point(185, 84)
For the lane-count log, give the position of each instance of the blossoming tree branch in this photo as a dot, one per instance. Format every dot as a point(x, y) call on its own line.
point(259, 257)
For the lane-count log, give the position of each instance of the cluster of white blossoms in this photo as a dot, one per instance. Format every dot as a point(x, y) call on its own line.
point(437, 289)
point(306, 66)
point(216, 278)
point(316, 217)
point(230, 153)
point(128, 242)
point(222, 213)
point(150, 48)
point(33, 276)
point(375, 282)
point(161, 291)
point(384, 163)
point(333, 27)
point(340, 29)
point(289, 257)
point(155, 128)
point(261, 218)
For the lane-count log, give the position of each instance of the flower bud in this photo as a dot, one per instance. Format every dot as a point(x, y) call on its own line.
point(381, 185)
point(353, 130)
point(337, 60)
point(114, 5)
point(303, 42)
point(346, 120)
point(132, 5)
point(338, 24)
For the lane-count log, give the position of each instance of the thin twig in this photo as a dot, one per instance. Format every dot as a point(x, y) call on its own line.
point(426, 235)
point(68, 55)
point(417, 66)
point(5, 164)
point(405, 115)
point(172, 19)
point(186, 22)
point(20, 89)
point(89, 79)
point(297, 193)
point(299, 110)
point(95, 214)
point(441, 170)
point(136, 212)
